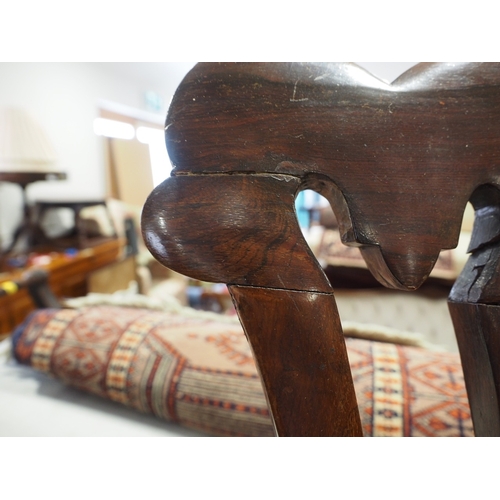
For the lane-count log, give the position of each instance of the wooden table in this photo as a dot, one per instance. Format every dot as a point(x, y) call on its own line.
point(67, 278)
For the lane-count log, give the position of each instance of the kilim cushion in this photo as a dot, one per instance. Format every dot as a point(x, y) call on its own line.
point(200, 372)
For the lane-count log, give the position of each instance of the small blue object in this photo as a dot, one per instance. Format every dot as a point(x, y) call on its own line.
point(194, 296)
point(16, 262)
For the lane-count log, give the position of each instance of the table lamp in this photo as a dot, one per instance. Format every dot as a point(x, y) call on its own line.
point(26, 156)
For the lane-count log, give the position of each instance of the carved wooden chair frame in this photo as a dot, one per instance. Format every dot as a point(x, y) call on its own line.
point(398, 164)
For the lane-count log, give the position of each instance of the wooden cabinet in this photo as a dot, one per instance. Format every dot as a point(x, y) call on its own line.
point(68, 277)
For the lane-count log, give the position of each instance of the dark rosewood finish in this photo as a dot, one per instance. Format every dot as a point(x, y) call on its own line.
point(397, 162)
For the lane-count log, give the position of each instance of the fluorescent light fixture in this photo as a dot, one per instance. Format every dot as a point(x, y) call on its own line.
point(148, 135)
point(160, 163)
point(113, 128)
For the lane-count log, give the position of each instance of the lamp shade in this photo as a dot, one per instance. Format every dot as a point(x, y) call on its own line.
point(24, 146)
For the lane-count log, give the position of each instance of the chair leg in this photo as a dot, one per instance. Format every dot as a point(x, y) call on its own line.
point(247, 236)
point(475, 312)
point(476, 327)
point(302, 359)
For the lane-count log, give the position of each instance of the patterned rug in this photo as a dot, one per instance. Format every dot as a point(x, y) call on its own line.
point(200, 373)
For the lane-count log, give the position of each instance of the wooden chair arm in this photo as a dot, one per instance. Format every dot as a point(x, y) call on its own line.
point(398, 164)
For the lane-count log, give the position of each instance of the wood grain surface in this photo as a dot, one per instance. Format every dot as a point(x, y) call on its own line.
point(307, 382)
point(399, 153)
point(398, 163)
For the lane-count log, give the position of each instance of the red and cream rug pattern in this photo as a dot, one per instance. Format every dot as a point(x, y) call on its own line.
point(200, 373)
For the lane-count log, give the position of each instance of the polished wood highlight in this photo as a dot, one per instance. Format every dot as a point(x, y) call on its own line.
point(245, 226)
point(398, 163)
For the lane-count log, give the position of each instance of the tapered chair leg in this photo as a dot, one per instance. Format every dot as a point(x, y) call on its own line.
point(301, 355)
point(477, 328)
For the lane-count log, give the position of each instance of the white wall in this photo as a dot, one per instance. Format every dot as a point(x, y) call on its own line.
point(63, 98)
